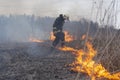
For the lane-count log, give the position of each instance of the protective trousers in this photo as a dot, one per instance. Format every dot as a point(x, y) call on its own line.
point(59, 36)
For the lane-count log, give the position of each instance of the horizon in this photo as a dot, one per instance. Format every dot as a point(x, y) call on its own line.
point(76, 9)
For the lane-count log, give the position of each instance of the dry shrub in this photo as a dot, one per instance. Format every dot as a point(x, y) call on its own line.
point(108, 48)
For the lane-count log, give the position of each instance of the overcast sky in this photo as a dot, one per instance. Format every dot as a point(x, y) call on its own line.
point(46, 7)
point(74, 8)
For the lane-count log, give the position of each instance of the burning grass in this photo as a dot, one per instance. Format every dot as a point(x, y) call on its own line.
point(86, 63)
point(97, 62)
point(68, 37)
point(32, 39)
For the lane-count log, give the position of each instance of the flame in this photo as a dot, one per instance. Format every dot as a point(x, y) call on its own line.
point(83, 37)
point(68, 37)
point(52, 37)
point(31, 39)
point(84, 63)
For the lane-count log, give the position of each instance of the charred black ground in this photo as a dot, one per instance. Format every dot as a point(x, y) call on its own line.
point(33, 61)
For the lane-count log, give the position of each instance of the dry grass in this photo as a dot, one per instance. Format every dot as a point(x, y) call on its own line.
point(108, 48)
point(108, 52)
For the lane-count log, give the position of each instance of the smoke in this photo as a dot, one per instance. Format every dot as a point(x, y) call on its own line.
point(38, 50)
point(20, 28)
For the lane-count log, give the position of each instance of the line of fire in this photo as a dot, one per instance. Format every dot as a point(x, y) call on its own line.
point(84, 59)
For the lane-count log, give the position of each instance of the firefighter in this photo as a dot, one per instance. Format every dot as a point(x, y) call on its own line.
point(58, 30)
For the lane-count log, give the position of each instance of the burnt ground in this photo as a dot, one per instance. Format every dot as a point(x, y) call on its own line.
point(35, 61)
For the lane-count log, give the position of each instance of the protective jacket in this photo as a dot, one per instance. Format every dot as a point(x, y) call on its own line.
point(58, 24)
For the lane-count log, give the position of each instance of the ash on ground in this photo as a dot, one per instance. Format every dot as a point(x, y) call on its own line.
point(34, 61)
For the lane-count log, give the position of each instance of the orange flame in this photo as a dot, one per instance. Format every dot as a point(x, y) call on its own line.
point(68, 37)
point(84, 63)
point(83, 37)
point(52, 37)
point(35, 40)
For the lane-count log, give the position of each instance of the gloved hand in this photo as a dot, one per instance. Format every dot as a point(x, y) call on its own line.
point(66, 17)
